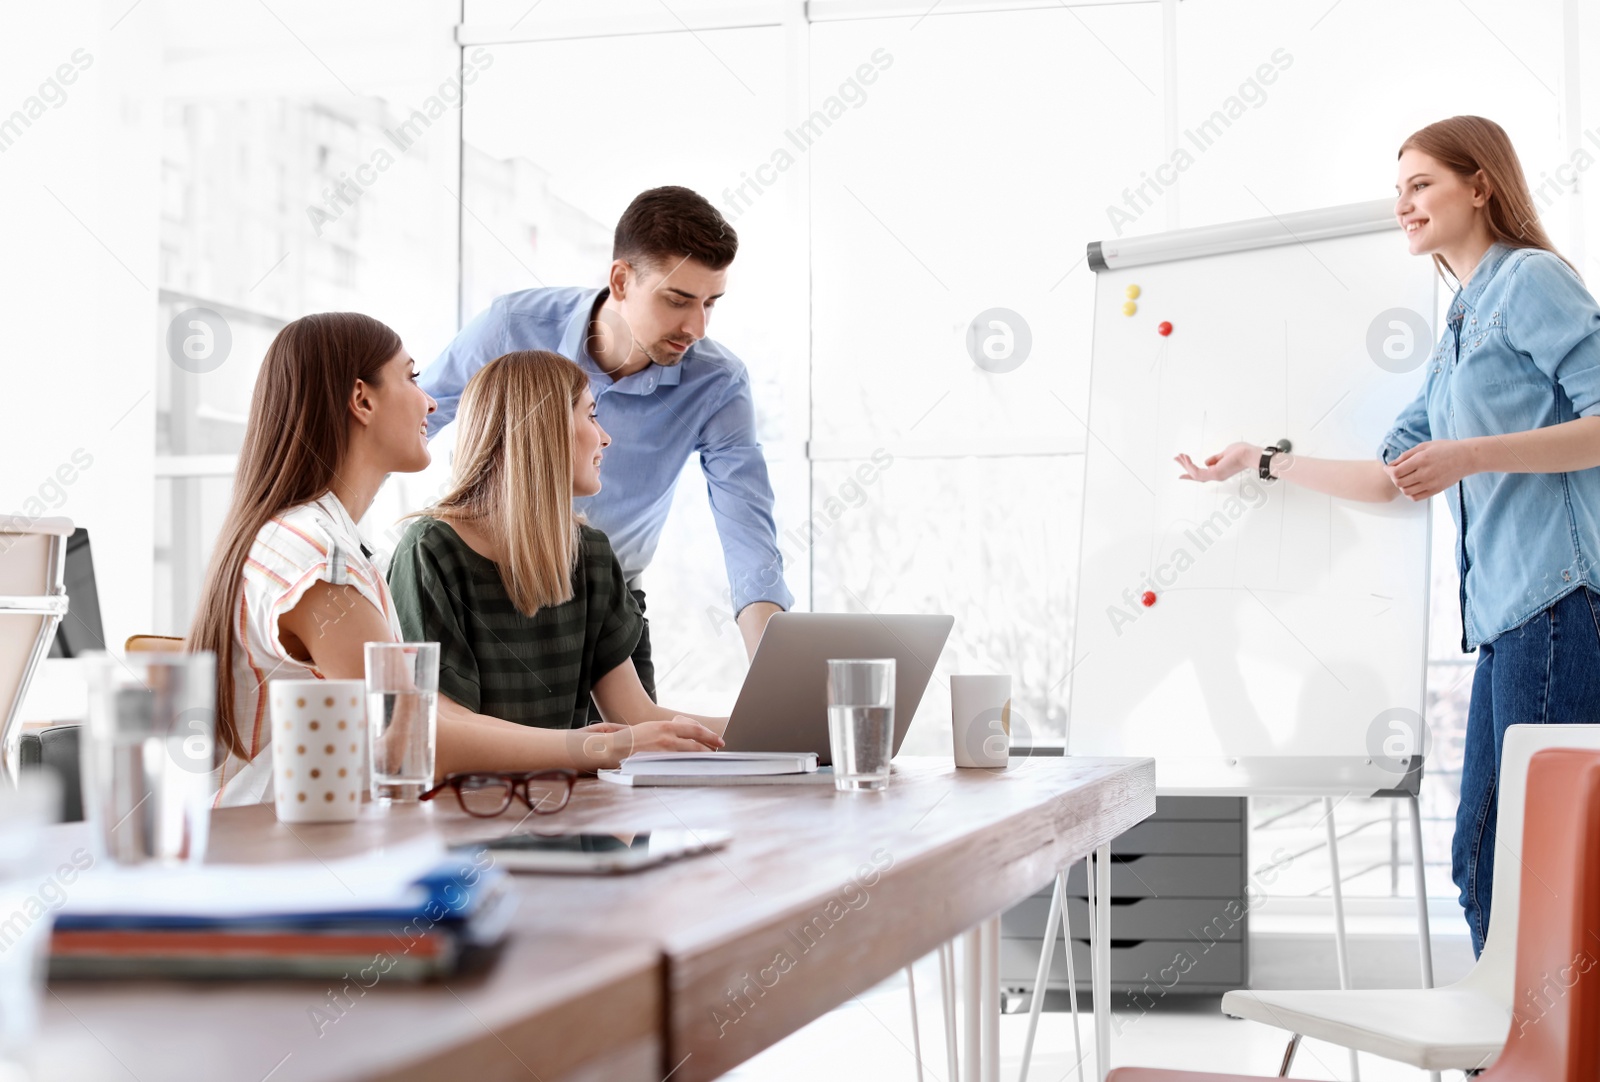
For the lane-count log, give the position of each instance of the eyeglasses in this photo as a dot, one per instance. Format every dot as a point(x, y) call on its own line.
point(486, 794)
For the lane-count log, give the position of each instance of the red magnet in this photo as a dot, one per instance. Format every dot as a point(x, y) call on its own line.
point(1163, 328)
point(1148, 598)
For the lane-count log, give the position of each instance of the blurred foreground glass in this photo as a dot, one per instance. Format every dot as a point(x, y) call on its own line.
point(402, 717)
point(147, 771)
point(486, 794)
point(861, 722)
point(26, 914)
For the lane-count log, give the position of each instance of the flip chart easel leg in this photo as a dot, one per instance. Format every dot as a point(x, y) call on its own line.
point(1420, 879)
point(1341, 949)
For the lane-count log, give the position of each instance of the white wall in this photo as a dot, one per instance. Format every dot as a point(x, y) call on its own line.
point(80, 186)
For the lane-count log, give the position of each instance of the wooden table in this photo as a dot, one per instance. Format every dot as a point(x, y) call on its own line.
point(693, 967)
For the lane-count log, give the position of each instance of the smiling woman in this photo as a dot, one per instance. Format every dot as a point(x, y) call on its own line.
point(291, 593)
point(1507, 427)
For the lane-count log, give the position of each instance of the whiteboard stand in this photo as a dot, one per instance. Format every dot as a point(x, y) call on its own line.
point(1406, 786)
point(1255, 639)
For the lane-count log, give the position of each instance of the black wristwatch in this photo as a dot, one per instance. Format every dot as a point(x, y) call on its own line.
point(1264, 470)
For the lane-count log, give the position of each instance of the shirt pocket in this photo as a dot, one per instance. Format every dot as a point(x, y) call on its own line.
point(1497, 390)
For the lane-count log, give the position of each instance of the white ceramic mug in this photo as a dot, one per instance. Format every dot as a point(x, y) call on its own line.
point(980, 714)
point(319, 739)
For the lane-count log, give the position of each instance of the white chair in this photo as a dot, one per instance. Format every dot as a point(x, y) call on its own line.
point(1462, 1026)
point(33, 599)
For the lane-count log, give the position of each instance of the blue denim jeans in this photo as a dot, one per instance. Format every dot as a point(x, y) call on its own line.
point(1545, 672)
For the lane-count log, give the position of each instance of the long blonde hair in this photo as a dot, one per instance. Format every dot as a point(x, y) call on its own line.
point(1468, 145)
point(513, 472)
point(295, 443)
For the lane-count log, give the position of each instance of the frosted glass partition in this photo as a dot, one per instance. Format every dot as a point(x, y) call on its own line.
point(968, 177)
point(559, 136)
point(991, 541)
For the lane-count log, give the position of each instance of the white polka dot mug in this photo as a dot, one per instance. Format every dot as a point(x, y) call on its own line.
point(319, 740)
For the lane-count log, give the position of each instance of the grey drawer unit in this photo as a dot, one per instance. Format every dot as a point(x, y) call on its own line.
point(1141, 918)
point(1179, 921)
point(1151, 968)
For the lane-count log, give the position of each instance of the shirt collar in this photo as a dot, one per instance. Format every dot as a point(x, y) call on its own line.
point(576, 332)
point(1466, 298)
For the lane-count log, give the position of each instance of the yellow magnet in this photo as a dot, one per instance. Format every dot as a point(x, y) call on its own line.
point(1133, 292)
point(1128, 308)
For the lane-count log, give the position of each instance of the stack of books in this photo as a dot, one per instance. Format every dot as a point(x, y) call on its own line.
point(718, 768)
point(407, 914)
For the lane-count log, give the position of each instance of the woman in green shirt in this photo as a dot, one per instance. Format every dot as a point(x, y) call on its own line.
point(528, 603)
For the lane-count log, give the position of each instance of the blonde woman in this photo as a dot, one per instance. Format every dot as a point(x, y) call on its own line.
point(528, 604)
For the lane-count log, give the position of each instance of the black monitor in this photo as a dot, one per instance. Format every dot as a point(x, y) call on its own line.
point(80, 630)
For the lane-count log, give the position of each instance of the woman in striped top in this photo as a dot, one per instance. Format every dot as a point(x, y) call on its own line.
point(291, 593)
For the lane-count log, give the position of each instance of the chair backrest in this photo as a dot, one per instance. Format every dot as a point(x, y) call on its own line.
point(1555, 1022)
point(1495, 972)
point(153, 644)
point(32, 601)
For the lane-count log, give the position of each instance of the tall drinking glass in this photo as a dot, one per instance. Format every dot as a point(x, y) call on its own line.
point(861, 722)
point(402, 717)
point(147, 771)
point(26, 914)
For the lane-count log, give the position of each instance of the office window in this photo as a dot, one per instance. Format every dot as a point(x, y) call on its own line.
point(559, 137)
point(273, 206)
point(951, 319)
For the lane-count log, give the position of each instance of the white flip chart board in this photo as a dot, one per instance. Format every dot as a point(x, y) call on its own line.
point(1287, 642)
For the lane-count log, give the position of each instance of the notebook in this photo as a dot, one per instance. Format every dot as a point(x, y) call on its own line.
point(719, 763)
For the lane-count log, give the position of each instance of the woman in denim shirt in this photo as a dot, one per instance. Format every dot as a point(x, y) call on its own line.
point(1507, 426)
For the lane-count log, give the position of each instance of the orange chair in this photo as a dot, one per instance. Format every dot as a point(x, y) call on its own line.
point(1555, 1021)
point(153, 644)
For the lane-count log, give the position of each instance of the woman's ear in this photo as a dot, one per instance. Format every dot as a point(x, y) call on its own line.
point(362, 407)
point(1480, 189)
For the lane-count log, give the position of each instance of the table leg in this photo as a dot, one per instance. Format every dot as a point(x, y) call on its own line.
point(916, 1035)
point(947, 1004)
point(971, 993)
point(1072, 976)
point(991, 999)
point(1102, 978)
point(1041, 976)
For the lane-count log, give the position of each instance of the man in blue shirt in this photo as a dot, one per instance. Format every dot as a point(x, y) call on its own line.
point(662, 389)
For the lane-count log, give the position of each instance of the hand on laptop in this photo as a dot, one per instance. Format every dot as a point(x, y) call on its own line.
point(674, 734)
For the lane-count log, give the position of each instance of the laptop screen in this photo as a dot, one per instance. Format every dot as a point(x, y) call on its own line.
point(80, 630)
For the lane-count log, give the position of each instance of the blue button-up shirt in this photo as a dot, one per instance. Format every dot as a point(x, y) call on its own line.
point(1521, 351)
point(656, 418)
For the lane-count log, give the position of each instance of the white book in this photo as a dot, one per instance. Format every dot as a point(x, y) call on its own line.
point(714, 764)
point(823, 776)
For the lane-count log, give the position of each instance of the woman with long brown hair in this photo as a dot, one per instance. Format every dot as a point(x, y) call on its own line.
point(1507, 424)
point(527, 602)
point(291, 593)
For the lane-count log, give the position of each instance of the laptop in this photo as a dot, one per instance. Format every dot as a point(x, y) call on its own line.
point(783, 706)
point(80, 630)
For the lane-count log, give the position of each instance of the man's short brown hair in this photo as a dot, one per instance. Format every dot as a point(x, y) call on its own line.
point(663, 225)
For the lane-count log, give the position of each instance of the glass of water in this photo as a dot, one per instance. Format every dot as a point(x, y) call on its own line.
point(147, 767)
point(402, 717)
point(26, 813)
point(861, 722)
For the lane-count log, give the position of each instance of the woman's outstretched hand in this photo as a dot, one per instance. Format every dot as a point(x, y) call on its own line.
point(1232, 459)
